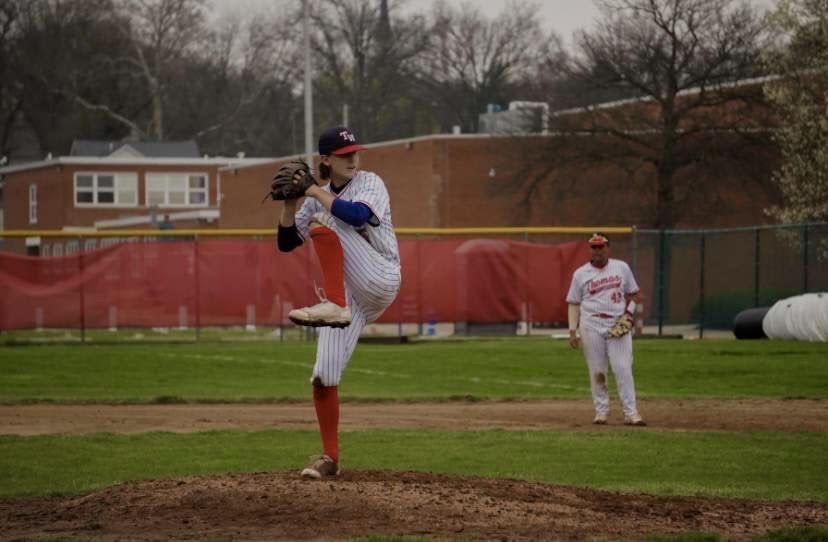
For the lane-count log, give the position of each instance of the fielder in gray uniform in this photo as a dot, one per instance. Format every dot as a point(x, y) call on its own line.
point(349, 222)
point(602, 293)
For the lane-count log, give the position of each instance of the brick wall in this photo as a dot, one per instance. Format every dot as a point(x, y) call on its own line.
point(458, 181)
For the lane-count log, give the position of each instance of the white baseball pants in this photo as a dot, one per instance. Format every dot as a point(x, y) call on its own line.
point(371, 285)
point(600, 351)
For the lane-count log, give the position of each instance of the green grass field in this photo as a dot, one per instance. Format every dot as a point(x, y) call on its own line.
point(518, 368)
point(744, 464)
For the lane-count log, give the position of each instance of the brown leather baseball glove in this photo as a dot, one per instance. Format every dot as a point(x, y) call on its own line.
point(623, 326)
point(291, 181)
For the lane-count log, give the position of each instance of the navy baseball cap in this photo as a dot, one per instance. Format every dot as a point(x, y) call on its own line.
point(338, 140)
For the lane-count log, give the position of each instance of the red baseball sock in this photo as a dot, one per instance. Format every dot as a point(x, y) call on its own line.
point(330, 255)
point(326, 402)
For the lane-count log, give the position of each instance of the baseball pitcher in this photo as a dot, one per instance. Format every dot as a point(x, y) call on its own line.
point(349, 222)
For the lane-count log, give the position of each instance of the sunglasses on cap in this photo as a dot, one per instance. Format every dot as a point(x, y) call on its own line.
point(598, 240)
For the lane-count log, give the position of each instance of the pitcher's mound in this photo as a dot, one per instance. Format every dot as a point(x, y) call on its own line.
point(278, 505)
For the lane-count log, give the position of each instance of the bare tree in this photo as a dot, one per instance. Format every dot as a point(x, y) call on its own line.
point(55, 42)
point(364, 56)
point(11, 95)
point(83, 69)
point(246, 92)
point(127, 80)
point(159, 32)
point(473, 61)
point(683, 66)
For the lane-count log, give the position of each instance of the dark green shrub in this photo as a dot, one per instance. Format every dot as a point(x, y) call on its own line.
point(720, 309)
point(794, 534)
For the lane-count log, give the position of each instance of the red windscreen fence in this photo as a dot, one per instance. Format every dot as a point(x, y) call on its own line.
point(186, 283)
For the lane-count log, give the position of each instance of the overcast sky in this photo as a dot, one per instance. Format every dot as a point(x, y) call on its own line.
point(563, 16)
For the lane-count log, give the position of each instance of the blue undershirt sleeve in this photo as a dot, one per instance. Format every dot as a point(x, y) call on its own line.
point(352, 212)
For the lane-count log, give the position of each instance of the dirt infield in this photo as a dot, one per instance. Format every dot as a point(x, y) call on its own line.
point(279, 506)
point(661, 415)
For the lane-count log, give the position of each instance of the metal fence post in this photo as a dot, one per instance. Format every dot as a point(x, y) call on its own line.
point(756, 267)
point(81, 294)
point(527, 310)
point(419, 286)
point(197, 290)
point(701, 286)
point(662, 243)
point(635, 250)
point(805, 259)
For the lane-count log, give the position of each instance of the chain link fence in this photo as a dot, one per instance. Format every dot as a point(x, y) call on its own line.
point(694, 281)
point(704, 278)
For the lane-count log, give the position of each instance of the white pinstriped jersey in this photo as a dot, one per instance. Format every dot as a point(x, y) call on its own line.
point(371, 269)
point(600, 292)
point(365, 187)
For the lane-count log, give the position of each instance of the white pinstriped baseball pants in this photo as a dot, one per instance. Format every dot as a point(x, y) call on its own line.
point(601, 351)
point(371, 285)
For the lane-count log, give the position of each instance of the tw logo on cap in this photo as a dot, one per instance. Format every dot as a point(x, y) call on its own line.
point(338, 140)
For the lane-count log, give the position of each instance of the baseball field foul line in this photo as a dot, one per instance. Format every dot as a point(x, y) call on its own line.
point(371, 372)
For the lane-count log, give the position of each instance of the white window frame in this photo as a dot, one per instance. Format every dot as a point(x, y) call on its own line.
point(110, 241)
point(45, 250)
point(57, 250)
point(122, 180)
point(164, 179)
point(32, 204)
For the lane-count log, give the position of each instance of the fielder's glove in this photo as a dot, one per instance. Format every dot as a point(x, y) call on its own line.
point(291, 181)
point(622, 326)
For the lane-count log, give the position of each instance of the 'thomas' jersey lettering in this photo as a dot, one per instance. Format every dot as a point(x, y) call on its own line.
point(596, 286)
point(601, 291)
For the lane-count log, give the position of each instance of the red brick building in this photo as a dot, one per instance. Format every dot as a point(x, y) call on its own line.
point(96, 193)
point(434, 181)
point(481, 180)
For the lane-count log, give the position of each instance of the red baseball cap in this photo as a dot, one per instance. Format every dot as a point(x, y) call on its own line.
point(338, 140)
point(598, 240)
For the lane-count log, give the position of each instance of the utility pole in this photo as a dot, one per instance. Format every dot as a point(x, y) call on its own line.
point(308, 86)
